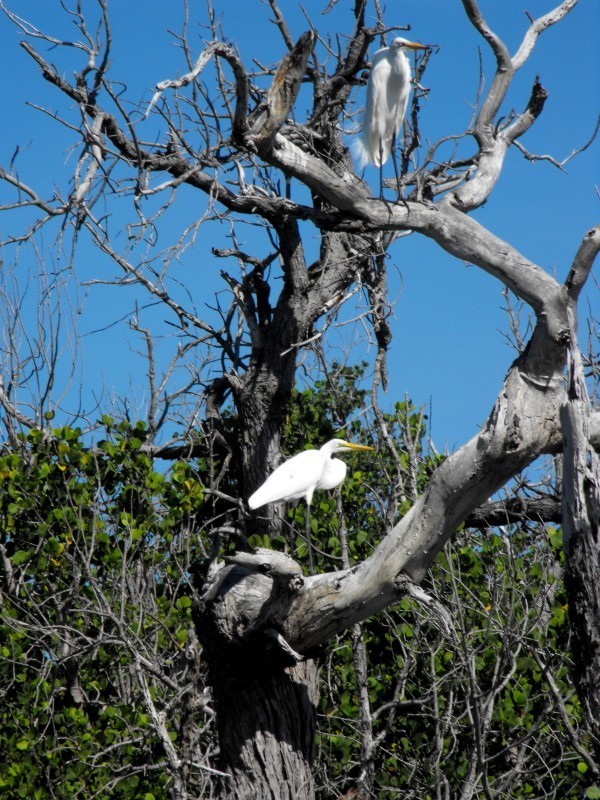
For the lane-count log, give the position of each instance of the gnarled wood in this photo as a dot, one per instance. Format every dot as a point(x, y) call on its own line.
point(581, 535)
point(265, 694)
point(261, 620)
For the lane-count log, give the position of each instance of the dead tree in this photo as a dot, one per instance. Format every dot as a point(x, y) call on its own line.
point(261, 621)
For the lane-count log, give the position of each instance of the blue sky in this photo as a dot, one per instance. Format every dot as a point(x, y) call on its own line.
point(448, 349)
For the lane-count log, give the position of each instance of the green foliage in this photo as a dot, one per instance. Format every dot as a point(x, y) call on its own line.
point(95, 544)
point(442, 706)
point(98, 645)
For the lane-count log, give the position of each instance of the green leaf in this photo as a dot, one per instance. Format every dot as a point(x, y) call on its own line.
point(556, 538)
point(21, 556)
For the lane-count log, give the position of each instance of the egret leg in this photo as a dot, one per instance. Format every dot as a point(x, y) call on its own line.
point(399, 198)
point(380, 170)
point(396, 172)
point(311, 560)
point(291, 537)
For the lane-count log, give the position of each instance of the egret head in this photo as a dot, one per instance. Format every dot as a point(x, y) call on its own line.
point(340, 445)
point(403, 44)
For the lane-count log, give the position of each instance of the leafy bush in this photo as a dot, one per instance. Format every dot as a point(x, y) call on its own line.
point(103, 691)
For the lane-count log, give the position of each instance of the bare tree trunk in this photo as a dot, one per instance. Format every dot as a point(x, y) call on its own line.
point(581, 532)
point(266, 724)
point(265, 694)
point(583, 593)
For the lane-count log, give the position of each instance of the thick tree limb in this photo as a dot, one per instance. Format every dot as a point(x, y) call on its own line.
point(455, 232)
point(583, 262)
point(581, 536)
point(493, 143)
point(510, 440)
point(282, 92)
point(537, 27)
point(516, 510)
point(523, 421)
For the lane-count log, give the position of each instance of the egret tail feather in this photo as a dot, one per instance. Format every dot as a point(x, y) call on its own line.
point(361, 151)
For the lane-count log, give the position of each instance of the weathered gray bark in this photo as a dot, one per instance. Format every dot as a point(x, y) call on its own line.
point(581, 530)
point(259, 618)
point(265, 694)
point(581, 515)
point(525, 421)
point(266, 717)
point(522, 425)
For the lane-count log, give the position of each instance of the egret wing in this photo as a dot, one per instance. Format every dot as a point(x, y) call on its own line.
point(377, 123)
point(333, 474)
point(291, 480)
point(398, 90)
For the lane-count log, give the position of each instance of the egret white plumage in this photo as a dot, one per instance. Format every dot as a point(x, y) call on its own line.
point(388, 89)
point(302, 474)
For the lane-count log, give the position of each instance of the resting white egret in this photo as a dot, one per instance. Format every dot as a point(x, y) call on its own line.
point(302, 474)
point(388, 90)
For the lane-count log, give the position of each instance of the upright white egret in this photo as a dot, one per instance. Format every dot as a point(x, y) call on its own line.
point(302, 474)
point(388, 90)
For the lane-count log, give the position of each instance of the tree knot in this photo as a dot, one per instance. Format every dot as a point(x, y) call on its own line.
point(514, 435)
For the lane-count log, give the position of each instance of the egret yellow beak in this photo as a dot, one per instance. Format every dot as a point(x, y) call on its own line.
point(415, 46)
point(353, 446)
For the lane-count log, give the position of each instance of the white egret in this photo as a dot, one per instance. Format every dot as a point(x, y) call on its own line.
point(302, 474)
point(388, 90)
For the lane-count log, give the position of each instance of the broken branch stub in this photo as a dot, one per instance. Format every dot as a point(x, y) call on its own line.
point(282, 93)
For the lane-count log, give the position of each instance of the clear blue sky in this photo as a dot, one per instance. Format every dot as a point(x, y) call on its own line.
point(448, 348)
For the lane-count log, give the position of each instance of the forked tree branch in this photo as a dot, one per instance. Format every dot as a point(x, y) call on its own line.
point(282, 92)
point(583, 263)
point(537, 27)
point(493, 142)
point(242, 88)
